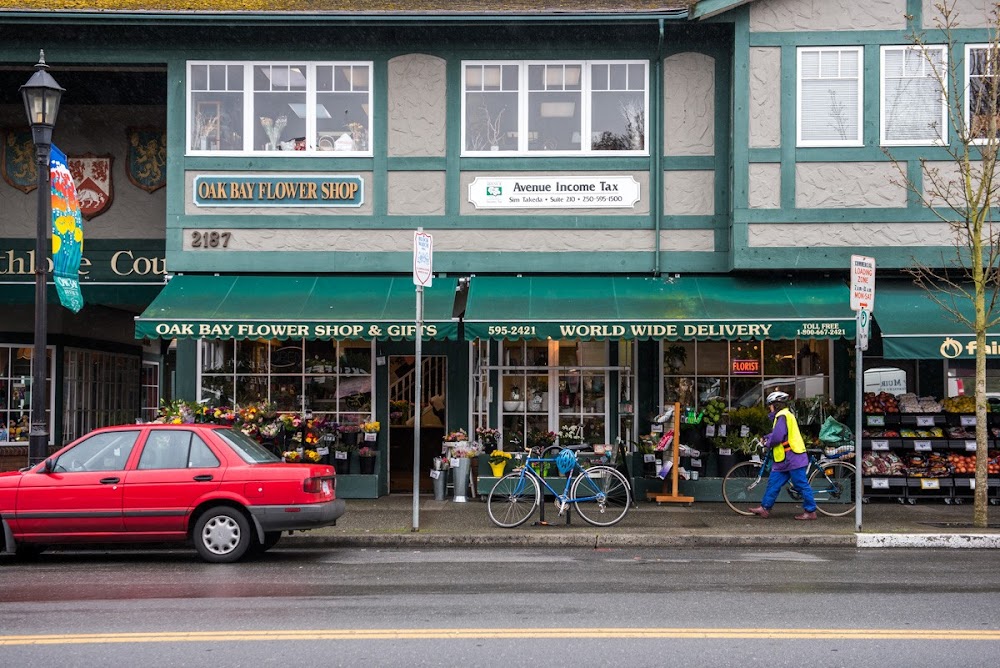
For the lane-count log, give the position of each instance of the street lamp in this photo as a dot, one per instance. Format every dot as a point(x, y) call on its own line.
point(41, 102)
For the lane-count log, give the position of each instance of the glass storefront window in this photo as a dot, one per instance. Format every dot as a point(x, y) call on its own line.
point(100, 389)
point(330, 378)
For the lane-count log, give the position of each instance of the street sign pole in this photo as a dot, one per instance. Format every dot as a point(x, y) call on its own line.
point(423, 272)
point(863, 302)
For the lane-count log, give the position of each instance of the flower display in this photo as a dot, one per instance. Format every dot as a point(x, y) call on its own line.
point(441, 464)
point(273, 128)
point(349, 428)
point(311, 456)
point(365, 451)
point(291, 456)
point(570, 433)
point(456, 436)
point(541, 439)
point(370, 427)
point(488, 437)
point(499, 457)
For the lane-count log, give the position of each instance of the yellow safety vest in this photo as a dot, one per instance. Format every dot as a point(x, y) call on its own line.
point(794, 442)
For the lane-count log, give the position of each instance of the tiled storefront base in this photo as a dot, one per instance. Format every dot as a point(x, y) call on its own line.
point(13, 457)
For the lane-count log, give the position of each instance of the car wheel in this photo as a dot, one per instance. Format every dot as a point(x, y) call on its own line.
point(222, 535)
point(271, 539)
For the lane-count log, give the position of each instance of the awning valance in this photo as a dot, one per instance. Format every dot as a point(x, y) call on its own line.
point(297, 307)
point(684, 308)
point(915, 327)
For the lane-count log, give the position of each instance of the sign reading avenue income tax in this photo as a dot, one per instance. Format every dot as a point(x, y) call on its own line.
point(554, 192)
point(262, 190)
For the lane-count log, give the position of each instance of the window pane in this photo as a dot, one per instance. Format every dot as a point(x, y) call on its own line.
point(599, 77)
point(913, 101)
point(491, 120)
point(829, 100)
point(217, 118)
point(279, 105)
point(554, 121)
point(618, 121)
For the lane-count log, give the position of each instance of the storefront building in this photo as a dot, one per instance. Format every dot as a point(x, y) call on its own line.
point(629, 208)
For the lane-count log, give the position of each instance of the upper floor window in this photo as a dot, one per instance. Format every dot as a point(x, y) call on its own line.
point(983, 86)
point(251, 107)
point(829, 96)
point(914, 81)
point(555, 108)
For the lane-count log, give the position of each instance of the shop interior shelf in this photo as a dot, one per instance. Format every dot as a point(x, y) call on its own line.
point(884, 487)
point(922, 419)
point(881, 419)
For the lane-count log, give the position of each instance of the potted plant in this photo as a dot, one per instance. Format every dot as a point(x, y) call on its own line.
point(498, 462)
point(349, 434)
point(570, 434)
point(366, 459)
point(370, 430)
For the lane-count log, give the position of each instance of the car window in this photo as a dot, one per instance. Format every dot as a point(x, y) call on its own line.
point(107, 451)
point(248, 449)
point(175, 449)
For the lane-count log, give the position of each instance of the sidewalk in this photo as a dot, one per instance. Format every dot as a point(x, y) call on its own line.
point(388, 521)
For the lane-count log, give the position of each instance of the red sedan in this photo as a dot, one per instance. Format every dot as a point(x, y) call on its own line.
point(206, 483)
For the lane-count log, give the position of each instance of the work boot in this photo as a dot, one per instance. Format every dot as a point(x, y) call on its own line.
point(761, 511)
point(808, 515)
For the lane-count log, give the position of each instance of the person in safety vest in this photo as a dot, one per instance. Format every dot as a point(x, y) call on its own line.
point(790, 459)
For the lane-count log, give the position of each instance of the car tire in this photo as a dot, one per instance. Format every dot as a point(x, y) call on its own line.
point(222, 535)
point(271, 539)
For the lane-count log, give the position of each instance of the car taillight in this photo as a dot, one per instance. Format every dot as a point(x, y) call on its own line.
point(317, 485)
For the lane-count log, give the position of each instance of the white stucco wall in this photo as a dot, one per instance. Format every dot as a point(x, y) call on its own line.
point(689, 104)
point(827, 185)
point(417, 106)
point(689, 193)
point(765, 97)
point(416, 193)
point(848, 235)
point(786, 15)
point(967, 13)
point(134, 213)
point(765, 185)
point(698, 241)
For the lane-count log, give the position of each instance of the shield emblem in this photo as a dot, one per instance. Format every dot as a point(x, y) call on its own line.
point(18, 160)
point(92, 176)
point(146, 159)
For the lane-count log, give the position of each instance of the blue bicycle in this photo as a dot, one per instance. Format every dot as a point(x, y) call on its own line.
point(600, 494)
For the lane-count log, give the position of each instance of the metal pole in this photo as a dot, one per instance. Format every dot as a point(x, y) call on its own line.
point(858, 385)
point(417, 391)
point(38, 435)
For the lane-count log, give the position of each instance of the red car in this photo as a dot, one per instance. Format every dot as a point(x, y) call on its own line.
point(162, 483)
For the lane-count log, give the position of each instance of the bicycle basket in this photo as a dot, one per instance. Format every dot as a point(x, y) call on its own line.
point(565, 460)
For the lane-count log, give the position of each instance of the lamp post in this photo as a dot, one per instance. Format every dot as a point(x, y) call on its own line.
point(41, 96)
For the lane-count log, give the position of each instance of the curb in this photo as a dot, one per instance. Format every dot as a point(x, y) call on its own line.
point(924, 540)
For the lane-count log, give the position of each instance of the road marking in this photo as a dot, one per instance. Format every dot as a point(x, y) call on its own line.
point(502, 634)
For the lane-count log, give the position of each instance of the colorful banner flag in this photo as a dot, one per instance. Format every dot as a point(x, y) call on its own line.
point(67, 232)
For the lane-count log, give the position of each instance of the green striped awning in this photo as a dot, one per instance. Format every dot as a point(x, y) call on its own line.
point(684, 308)
point(297, 307)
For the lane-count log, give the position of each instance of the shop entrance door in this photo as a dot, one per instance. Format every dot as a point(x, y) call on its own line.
point(403, 404)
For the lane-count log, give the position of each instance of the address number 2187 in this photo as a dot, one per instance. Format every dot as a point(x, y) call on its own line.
point(210, 239)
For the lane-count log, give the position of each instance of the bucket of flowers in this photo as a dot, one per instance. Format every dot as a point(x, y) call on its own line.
point(370, 431)
point(292, 456)
point(456, 439)
point(366, 459)
point(349, 434)
point(498, 462)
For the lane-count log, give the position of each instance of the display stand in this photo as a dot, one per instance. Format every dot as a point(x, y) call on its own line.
point(672, 496)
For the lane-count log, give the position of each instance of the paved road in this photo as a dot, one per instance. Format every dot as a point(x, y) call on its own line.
point(470, 607)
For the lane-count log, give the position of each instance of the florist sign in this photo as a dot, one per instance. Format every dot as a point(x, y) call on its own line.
point(277, 330)
point(299, 190)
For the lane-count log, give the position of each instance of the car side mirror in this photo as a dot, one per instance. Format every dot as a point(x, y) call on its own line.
point(50, 465)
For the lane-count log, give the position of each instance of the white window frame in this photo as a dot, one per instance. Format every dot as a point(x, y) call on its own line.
point(968, 91)
point(942, 136)
point(585, 103)
point(250, 116)
point(854, 141)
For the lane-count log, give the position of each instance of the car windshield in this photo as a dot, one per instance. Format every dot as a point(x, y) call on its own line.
point(248, 449)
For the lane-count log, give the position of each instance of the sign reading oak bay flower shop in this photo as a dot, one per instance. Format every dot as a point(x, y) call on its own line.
point(554, 192)
point(294, 190)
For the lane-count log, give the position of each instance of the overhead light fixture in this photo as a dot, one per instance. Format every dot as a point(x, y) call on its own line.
point(557, 109)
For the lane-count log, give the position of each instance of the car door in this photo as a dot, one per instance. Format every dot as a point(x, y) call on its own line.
point(176, 469)
point(82, 494)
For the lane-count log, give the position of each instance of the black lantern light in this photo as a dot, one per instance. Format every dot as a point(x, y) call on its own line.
point(41, 96)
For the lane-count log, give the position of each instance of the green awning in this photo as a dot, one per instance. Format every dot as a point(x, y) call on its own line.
point(915, 327)
point(684, 308)
point(297, 307)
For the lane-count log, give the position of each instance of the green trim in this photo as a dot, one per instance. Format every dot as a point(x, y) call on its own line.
point(915, 15)
point(539, 164)
point(453, 140)
point(766, 155)
point(380, 130)
point(741, 131)
point(833, 216)
point(870, 89)
point(789, 123)
point(709, 8)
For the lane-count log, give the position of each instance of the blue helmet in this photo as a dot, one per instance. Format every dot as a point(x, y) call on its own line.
point(565, 460)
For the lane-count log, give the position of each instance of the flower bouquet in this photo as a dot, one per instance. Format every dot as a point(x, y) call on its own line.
point(570, 433)
point(273, 128)
point(349, 433)
point(498, 462)
point(291, 456)
point(541, 439)
point(311, 456)
point(457, 436)
point(367, 459)
point(488, 438)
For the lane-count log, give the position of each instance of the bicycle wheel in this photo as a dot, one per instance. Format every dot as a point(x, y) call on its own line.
point(612, 491)
point(512, 500)
point(741, 487)
point(833, 487)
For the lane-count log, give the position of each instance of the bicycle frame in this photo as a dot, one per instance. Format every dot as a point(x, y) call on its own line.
point(528, 471)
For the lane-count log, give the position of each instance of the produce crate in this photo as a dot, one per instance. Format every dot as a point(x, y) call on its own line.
point(963, 487)
point(884, 487)
point(928, 488)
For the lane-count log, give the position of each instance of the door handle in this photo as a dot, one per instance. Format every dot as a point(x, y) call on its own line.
point(110, 481)
point(203, 478)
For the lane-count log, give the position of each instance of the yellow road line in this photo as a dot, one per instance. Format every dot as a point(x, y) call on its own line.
point(503, 634)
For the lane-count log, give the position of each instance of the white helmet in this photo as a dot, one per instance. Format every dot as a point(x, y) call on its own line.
point(777, 397)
